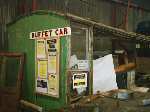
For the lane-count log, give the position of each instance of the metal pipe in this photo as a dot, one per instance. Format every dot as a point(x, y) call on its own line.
point(115, 31)
point(31, 105)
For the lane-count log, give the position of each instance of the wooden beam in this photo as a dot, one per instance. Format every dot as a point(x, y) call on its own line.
point(125, 67)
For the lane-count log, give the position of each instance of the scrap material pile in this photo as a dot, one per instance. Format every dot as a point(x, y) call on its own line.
point(107, 97)
point(114, 101)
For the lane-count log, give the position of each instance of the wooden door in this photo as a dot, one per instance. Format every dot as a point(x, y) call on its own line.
point(11, 68)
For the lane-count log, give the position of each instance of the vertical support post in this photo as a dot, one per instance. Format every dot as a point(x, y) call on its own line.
point(131, 79)
point(3, 72)
point(34, 5)
point(127, 15)
point(114, 15)
point(91, 58)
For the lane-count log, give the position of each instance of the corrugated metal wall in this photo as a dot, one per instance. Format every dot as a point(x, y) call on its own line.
point(103, 11)
point(8, 11)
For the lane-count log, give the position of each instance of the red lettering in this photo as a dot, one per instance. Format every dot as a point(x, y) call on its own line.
point(60, 32)
point(38, 34)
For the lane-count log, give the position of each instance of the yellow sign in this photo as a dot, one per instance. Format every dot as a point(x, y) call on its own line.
point(52, 64)
point(42, 68)
point(79, 80)
point(41, 49)
point(53, 85)
point(47, 60)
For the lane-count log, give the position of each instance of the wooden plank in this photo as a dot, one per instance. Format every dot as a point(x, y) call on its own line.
point(3, 72)
point(125, 67)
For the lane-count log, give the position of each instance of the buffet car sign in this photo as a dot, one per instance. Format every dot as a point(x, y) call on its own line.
point(51, 33)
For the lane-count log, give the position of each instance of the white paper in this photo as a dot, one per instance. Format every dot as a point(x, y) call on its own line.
point(52, 64)
point(73, 61)
point(53, 85)
point(79, 80)
point(41, 85)
point(83, 64)
point(104, 77)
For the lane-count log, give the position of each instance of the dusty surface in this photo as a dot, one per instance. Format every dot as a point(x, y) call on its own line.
point(109, 104)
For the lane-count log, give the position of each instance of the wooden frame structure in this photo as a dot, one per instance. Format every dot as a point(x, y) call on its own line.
point(10, 96)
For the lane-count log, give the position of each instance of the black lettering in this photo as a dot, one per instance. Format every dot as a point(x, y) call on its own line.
point(32, 35)
point(65, 31)
point(50, 33)
point(36, 34)
point(56, 32)
point(46, 33)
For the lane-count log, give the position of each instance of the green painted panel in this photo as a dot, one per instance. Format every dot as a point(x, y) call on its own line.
point(18, 41)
